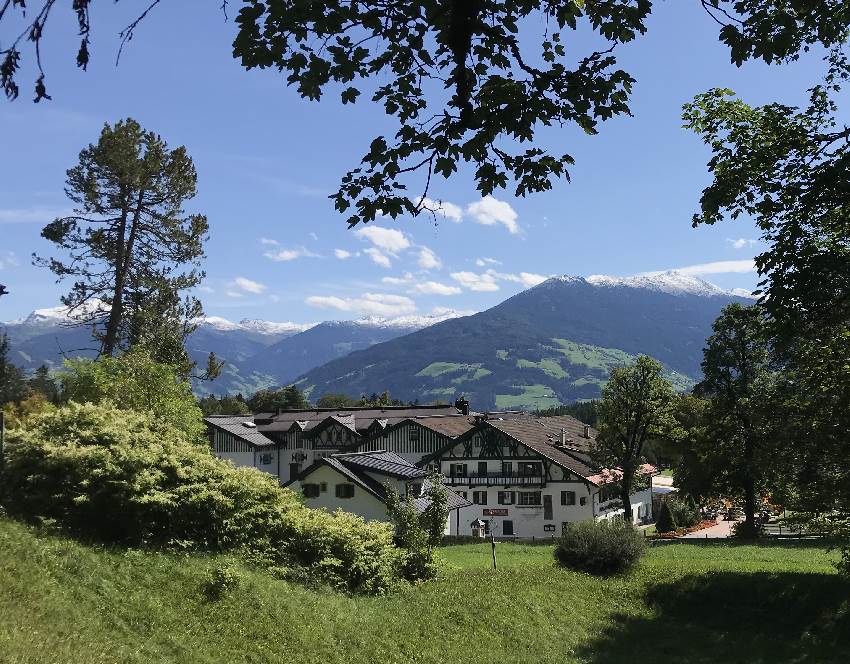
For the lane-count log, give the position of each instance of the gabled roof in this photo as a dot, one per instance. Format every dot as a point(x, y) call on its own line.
point(545, 439)
point(240, 426)
point(384, 463)
point(358, 467)
point(362, 417)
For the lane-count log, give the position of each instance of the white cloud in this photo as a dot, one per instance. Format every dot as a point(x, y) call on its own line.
point(428, 260)
point(484, 262)
point(267, 241)
point(313, 236)
point(473, 281)
point(233, 293)
point(389, 240)
point(442, 208)
point(488, 280)
point(527, 279)
point(719, 267)
point(398, 281)
point(741, 242)
point(9, 259)
point(37, 215)
point(378, 257)
point(284, 255)
point(378, 304)
point(490, 211)
point(342, 254)
point(248, 286)
point(206, 289)
point(435, 288)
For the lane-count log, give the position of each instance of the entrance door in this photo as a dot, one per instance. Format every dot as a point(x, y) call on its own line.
point(547, 508)
point(294, 469)
point(507, 527)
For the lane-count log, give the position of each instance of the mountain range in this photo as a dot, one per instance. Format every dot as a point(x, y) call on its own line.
point(551, 344)
point(256, 353)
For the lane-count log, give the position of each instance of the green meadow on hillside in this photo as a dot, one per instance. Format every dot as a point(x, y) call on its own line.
point(62, 601)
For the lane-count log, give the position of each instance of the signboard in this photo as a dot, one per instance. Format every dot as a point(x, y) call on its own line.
point(496, 512)
point(549, 528)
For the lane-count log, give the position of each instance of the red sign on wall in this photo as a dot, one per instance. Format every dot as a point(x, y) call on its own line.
point(496, 512)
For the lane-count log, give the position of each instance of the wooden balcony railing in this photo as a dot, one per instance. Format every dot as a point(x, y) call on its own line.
point(495, 479)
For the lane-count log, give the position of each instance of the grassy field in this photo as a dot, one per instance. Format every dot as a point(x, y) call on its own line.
point(64, 602)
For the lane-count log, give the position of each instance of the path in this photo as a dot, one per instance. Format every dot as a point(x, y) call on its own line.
point(722, 530)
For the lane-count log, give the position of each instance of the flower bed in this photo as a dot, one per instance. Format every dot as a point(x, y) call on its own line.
point(683, 531)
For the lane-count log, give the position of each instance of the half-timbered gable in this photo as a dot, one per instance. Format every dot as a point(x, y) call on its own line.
point(415, 438)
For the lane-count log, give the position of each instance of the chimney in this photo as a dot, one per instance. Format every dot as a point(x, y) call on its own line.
point(462, 405)
point(563, 437)
point(586, 431)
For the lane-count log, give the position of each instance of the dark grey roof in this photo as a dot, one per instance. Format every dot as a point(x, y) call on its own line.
point(384, 463)
point(454, 501)
point(236, 425)
point(356, 466)
point(362, 418)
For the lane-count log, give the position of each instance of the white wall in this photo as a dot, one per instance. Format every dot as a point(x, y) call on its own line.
point(362, 503)
point(641, 507)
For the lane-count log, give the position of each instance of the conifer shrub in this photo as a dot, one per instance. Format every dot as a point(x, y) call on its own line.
point(124, 477)
point(666, 521)
point(600, 547)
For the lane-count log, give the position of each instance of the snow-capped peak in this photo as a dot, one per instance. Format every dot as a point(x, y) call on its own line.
point(417, 322)
point(671, 282)
point(57, 315)
point(252, 325)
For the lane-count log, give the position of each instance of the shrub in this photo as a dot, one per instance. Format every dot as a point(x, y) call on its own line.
point(125, 477)
point(685, 512)
point(411, 535)
point(603, 547)
point(220, 581)
point(666, 522)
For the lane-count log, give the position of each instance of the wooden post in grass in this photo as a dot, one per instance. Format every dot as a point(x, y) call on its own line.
point(493, 548)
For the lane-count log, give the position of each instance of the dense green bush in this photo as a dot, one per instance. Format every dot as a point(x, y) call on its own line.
point(412, 536)
point(125, 477)
point(685, 512)
point(599, 547)
point(135, 381)
point(666, 521)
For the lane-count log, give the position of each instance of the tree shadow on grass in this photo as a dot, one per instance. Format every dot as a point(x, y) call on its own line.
point(728, 617)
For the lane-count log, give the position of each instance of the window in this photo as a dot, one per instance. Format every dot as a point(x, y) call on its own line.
point(344, 490)
point(582, 501)
point(486, 526)
point(462, 494)
point(479, 497)
point(457, 470)
point(266, 459)
point(568, 497)
point(482, 468)
point(415, 490)
point(529, 498)
point(413, 434)
point(507, 468)
point(506, 497)
point(323, 487)
point(507, 527)
point(310, 490)
point(526, 468)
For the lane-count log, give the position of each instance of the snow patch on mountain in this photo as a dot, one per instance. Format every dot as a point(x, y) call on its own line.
point(671, 282)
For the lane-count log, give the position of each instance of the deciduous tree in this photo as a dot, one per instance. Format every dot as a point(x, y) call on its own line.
point(637, 406)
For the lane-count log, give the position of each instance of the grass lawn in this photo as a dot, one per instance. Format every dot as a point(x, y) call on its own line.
point(64, 602)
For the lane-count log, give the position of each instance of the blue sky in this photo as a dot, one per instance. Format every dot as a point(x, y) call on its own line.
point(268, 160)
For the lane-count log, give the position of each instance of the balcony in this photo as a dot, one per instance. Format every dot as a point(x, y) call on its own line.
point(495, 479)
